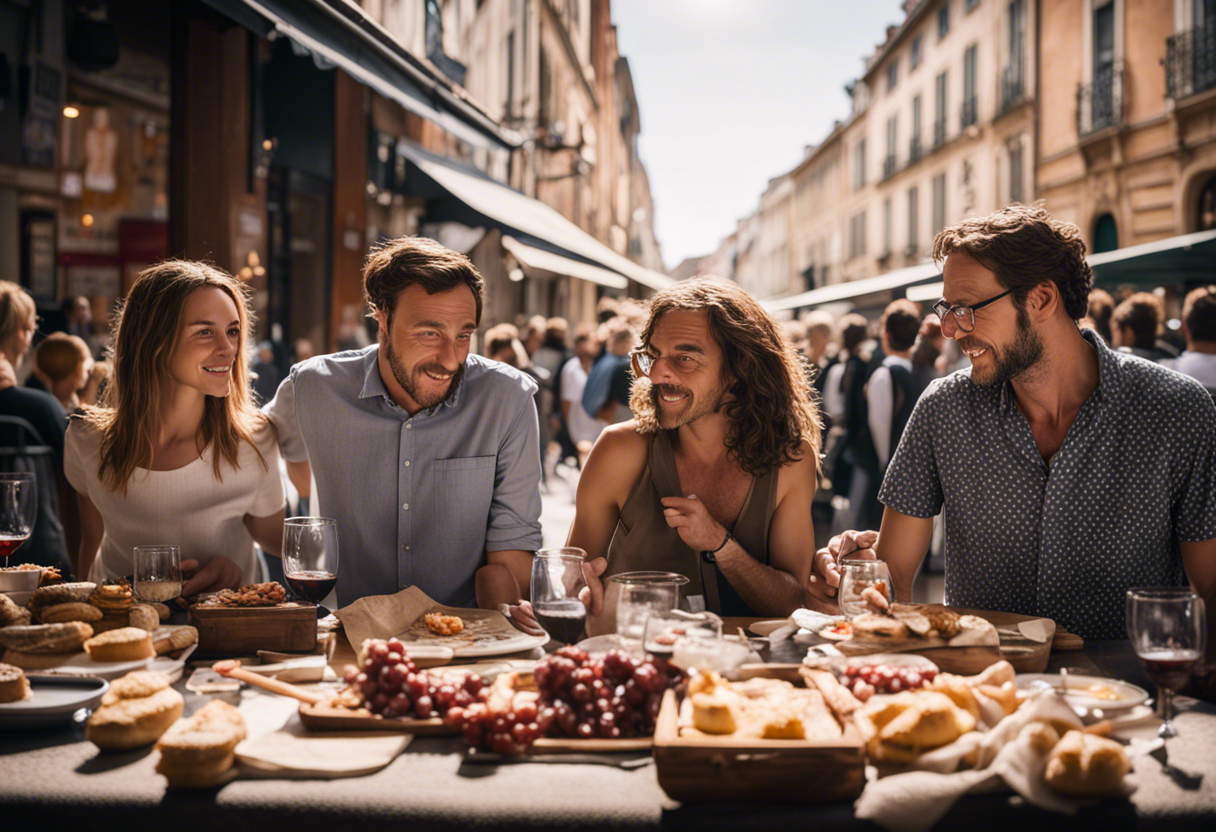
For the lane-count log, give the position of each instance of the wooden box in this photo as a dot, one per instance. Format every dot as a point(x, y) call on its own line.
point(718, 769)
point(242, 631)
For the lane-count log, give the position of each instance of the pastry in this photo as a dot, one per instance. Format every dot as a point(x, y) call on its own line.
point(1083, 765)
point(268, 594)
point(126, 644)
point(112, 599)
point(899, 728)
point(131, 723)
point(169, 639)
point(198, 752)
point(70, 611)
point(958, 690)
point(137, 685)
point(143, 617)
point(13, 685)
point(49, 596)
point(46, 638)
point(162, 611)
point(12, 613)
point(443, 625)
point(764, 708)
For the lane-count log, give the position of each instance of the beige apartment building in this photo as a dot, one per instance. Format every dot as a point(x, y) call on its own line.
point(1127, 140)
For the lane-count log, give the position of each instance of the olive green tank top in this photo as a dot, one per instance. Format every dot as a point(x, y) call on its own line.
point(643, 540)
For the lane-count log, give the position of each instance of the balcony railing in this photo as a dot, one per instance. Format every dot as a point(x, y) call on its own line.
point(1013, 86)
point(1190, 62)
point(888, 166)
point(1100, 104)
point(914, 150)
point(939, 133)
point(970, 112)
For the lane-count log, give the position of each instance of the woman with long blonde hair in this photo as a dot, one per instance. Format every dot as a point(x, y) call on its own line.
point(177, 452)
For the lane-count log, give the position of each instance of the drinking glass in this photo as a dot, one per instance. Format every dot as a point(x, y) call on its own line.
point(639, 595)
point(1168, 630)
point(664, 629)
point(18, 511)
point(557, 577)
point(856, 576)
point(310, 556)
point(158, 573)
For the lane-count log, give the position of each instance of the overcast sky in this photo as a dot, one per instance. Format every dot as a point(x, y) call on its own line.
point(730, 92)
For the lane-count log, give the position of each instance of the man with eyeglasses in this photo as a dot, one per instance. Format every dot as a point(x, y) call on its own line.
point(713, 478)
point(1065, 472)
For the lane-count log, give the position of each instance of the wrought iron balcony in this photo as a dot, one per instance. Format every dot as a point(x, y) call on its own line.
point(970, 112)
point(1013, 86)
point(914, 150)
point(939, 133)
point(1190, 62)
point(888, 166)
point(1100, 104)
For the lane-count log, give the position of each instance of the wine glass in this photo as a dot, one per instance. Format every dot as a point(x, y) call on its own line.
point(158, 573)
point(557, 577)
point(1168, 630)
point(310, 556)
point(18, 511)
point(856, 576)
point(663, 630)
point(639, 595)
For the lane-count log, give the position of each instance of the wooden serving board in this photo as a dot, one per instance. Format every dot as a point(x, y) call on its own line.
point(1026, 655)
point(242, 631)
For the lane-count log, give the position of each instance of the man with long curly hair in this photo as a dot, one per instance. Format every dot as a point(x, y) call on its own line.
point(714, 476)
point(1065, 472)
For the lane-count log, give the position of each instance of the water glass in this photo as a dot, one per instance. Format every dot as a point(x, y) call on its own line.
point(158, 573)
point(856, 576)
point(638, 595)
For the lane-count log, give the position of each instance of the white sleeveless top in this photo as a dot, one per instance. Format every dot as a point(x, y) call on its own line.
point(186, 507)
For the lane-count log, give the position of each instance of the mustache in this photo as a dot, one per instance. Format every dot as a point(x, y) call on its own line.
point(436, 369)
point(668, 390)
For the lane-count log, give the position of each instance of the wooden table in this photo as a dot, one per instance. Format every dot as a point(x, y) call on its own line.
point(53, 780)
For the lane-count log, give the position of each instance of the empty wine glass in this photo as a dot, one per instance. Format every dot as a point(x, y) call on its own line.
point(637, 596)
point(557, 577)
point(857, 575)
point(1168, 630)
point(310, 556)
point(18, 511)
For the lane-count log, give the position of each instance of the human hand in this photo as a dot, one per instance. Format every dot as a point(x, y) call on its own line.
point(522, 617)
point(218, 573)
point(693, 522)
point(853, 544)
point(592, 595)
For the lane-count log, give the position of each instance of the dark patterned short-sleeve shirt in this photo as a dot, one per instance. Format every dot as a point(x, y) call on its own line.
point(1135, 476)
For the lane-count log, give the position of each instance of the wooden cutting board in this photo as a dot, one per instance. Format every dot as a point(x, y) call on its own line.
point(1025, 654)
point(242, 631)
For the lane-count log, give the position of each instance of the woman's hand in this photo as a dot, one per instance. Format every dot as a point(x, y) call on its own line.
point(218, 573)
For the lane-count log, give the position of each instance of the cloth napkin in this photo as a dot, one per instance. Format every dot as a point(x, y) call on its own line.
point(913, 801)
point(801, 619)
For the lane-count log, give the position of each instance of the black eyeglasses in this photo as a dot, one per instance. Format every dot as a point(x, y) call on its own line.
point(964, 316)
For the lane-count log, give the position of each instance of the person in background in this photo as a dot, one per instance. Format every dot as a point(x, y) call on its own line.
point(821, 352)
point(265, 373)
point(78, 320)
point(584, 428)
point(303, 350)
point(928, 349)
point(550, 357)
point(534, 335)
point(1099, 311)
point(606, 308)
point(602, 395)
point(177, 451)
point(892, 391)
point(502, 344)
point(1199, 328)
point(64, 364)
point(1135, 325)
point(794, 332)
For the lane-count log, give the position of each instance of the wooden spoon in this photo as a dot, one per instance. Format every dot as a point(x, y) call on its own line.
point(232, 669)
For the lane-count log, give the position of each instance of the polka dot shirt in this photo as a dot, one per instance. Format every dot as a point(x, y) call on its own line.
point(1136, 474)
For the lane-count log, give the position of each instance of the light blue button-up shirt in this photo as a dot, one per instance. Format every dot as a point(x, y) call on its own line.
point(419, 500)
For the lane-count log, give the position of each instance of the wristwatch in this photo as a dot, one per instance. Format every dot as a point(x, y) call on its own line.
point(708, 555)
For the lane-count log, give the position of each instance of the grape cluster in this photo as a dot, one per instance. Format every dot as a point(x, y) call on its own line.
point(864, 680)
point(578, 696)
point(392, 685)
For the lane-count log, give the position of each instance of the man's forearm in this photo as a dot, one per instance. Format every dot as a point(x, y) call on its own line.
point(495, 585)
point(766, 590)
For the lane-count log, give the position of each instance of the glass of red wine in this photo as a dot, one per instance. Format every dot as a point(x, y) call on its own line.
point(18, 511)
point(557, 577)
point(310, 556)
point(1168, 630)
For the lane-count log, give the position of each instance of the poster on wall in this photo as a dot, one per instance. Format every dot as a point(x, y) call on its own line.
point(38, 254)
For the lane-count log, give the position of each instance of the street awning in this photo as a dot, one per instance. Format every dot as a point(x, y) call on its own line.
point(926, 292)
point(1189, 257)
point(476, 199)
point(897, 279)
point(537, 259)
point(340, 34)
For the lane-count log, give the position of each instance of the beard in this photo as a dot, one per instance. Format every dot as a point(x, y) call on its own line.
point(690, 412)
point(411, 382)
point(1024, 353)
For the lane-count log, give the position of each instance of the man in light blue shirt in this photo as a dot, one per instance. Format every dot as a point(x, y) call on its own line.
point(427, 456)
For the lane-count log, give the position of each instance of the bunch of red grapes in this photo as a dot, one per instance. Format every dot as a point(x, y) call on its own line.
point(579, 696)
point(864, 680)
point(393, 686)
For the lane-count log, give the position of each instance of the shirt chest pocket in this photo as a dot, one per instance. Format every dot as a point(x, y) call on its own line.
point(465, 491)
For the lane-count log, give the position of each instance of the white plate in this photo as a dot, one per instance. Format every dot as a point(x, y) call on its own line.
point(516, 644)
point(81, 665)
point(54, 700)
point(1129, 695)
point(767, 628)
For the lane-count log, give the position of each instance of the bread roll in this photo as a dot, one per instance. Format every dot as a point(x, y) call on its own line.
point(168, 639)
point(131, 723)
point(70, 611)
point(13, 685)
point(197, 752)
point(1083, 765)
point(143, 617)
point(126, 644)
point(49, 596)
point(67, 637)
point(12, 613)
point(37, 661)
point(137, 685)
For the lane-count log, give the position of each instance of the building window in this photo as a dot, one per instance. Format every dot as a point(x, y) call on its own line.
point(857, 235)
point(970, 107)
point(939, 111)
point(914, 57)
point(914, 146)
point(1013, 80)
point(510, 108)
point(1016, 193)
point(913, 222)
point(859, 166)
point(887, 220)
point(892, 75)
point(939, 202)
point(888, 163)
point(943, 21)
point(1106, 234)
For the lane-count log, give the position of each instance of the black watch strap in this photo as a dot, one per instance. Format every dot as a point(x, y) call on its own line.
point(708, 555)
